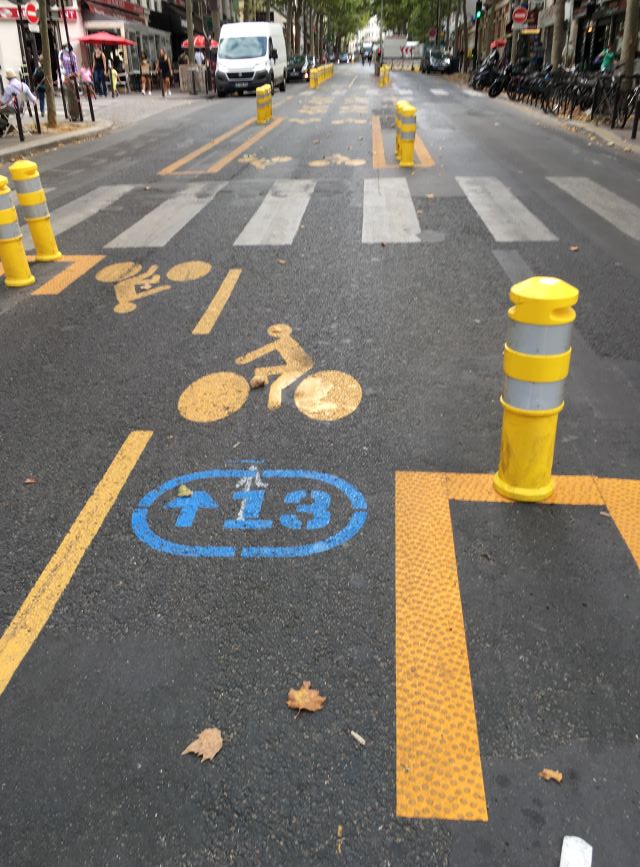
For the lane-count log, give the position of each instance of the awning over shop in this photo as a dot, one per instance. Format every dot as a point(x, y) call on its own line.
point(118, 9)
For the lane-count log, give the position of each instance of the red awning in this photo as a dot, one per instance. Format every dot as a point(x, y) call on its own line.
point(199, 41)
point(122, 10)
point(101, 37)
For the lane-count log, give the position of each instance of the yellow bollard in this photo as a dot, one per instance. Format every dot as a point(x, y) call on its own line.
point(12, 255)
point(263, 103)
point(33, 202)
point(407, 133)
point(399, 107)
point(313, 78)
point(536, 363)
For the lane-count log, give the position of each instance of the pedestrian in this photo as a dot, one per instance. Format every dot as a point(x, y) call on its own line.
point(165, 71)
point(86, 77)
point(607, 58)
point(40, 83)
point(145, 74)
point(199, 57)
point(15, 92)
point(99, 72)
point(68, 62)
point(113, 77)
point(369, 56)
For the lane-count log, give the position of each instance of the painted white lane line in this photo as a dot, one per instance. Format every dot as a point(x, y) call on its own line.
point(405, 91)
point(439, 91)
point(278, 218)
point(472, 92)
point(81, 209)
point(159, 226)
point(502, 213)
point(576, 852)
point(513, 265)
point(614, 209)
point(389, 216)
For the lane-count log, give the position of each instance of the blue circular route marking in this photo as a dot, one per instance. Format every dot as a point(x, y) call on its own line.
point(142, 529)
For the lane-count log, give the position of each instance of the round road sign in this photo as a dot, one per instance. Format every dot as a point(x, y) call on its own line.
point(520, 15)
point(31, 11)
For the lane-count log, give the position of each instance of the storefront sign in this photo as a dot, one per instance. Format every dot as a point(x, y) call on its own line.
point(30, 13)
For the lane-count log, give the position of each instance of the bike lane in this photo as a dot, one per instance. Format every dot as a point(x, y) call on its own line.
point(151, 643)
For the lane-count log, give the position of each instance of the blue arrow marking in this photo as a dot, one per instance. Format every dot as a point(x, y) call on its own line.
point(189, 506)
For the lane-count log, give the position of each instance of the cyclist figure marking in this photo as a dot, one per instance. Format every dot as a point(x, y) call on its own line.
point(296, 362)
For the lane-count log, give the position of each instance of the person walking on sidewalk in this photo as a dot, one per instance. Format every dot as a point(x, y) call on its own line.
point(40, 84)
point(165, 71)
point(99, 70)
point(145, 74)
point(68, 62)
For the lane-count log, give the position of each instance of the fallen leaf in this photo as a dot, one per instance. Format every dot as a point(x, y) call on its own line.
point(358, 738)
point(430, 196)
point(208, 744)
point(305, 698)
point(548, 774)
point(29, 481)
point(339, 840)
point(574, 248)
point(258, 381)
point(605, 514)
point(627, 150)
point(419, 211)
point(184, 491)
point(610, 144)
point(281, 261)
point(147, 188)
point(382, 244)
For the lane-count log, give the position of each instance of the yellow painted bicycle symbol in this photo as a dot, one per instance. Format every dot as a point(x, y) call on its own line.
point(326, 395)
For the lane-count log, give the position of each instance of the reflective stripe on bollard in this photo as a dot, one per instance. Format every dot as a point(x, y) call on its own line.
point(537, 355)
point(33, 202)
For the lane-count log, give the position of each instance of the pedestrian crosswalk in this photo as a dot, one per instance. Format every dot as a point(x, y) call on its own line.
point(389, 212)
point(439, 91)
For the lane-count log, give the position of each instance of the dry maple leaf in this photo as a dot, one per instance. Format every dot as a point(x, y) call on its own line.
point(574, 248)
point(548, 774)
point(208, 744)
point(184, 491)
point(306, 698)
point(281, 261)
point(29, 481)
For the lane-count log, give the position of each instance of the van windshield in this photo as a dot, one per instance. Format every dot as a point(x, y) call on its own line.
point(241, 47)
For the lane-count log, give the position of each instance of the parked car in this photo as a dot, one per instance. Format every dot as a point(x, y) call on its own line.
point(434, 60)
point(298, 67)
point(250, 53)
point(344, 58)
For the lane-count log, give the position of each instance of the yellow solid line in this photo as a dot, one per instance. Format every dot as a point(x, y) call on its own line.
point(438, 768)
point(424, 157)
point(45, 593)
point(213, 311)
point(80, 265)
point(377, 145)
point(236, 152)
point(173, 167)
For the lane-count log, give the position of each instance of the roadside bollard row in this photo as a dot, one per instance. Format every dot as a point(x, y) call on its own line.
point(537, 353)
point(320, 74)
point(32, 201)
point(385, 75)
point(406, 119)
point(264, 102)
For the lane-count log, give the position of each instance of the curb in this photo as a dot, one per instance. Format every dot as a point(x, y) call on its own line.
point(47, 142)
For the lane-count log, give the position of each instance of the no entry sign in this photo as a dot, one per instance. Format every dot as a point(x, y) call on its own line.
point(31, 11)
point(520, 15)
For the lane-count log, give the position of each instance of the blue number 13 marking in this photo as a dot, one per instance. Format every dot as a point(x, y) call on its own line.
point(249, 514)
point(317, 509)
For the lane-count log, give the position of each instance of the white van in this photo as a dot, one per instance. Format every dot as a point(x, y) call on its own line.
point(250, 53)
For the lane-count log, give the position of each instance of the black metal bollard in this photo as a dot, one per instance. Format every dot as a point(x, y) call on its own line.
point(91, 112)
point(36, 114)
point(18, 118)
point(636, 117)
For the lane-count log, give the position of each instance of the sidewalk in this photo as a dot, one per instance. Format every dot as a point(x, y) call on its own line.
point(110, 113)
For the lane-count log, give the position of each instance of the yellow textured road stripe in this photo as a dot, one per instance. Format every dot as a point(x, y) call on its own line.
point(569, 490)
point(187, 158)
point(45, 593)
point(423, 156)
point(377, 144)
point(213, 311)
point(622, 499)
point(438, 768)
point(242, 148)
point(80, 265)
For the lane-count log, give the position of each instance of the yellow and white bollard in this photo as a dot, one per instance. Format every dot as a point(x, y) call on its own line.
point(33, 203)
point(263, 103)
point(536, 363)
point(12, 255)
point(406, 132)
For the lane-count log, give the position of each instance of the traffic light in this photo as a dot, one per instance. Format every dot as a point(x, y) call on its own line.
point(478, 10)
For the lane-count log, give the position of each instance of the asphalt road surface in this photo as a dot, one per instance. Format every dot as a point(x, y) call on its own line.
point(340, 525)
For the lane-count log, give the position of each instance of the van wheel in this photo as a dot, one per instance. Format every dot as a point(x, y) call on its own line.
point(283, 83)
point(272, 83)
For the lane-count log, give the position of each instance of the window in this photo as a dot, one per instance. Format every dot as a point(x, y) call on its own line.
point(241, 47)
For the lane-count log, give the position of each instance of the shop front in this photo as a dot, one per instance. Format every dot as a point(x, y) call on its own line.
point(591, 34)
point(21, 40)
